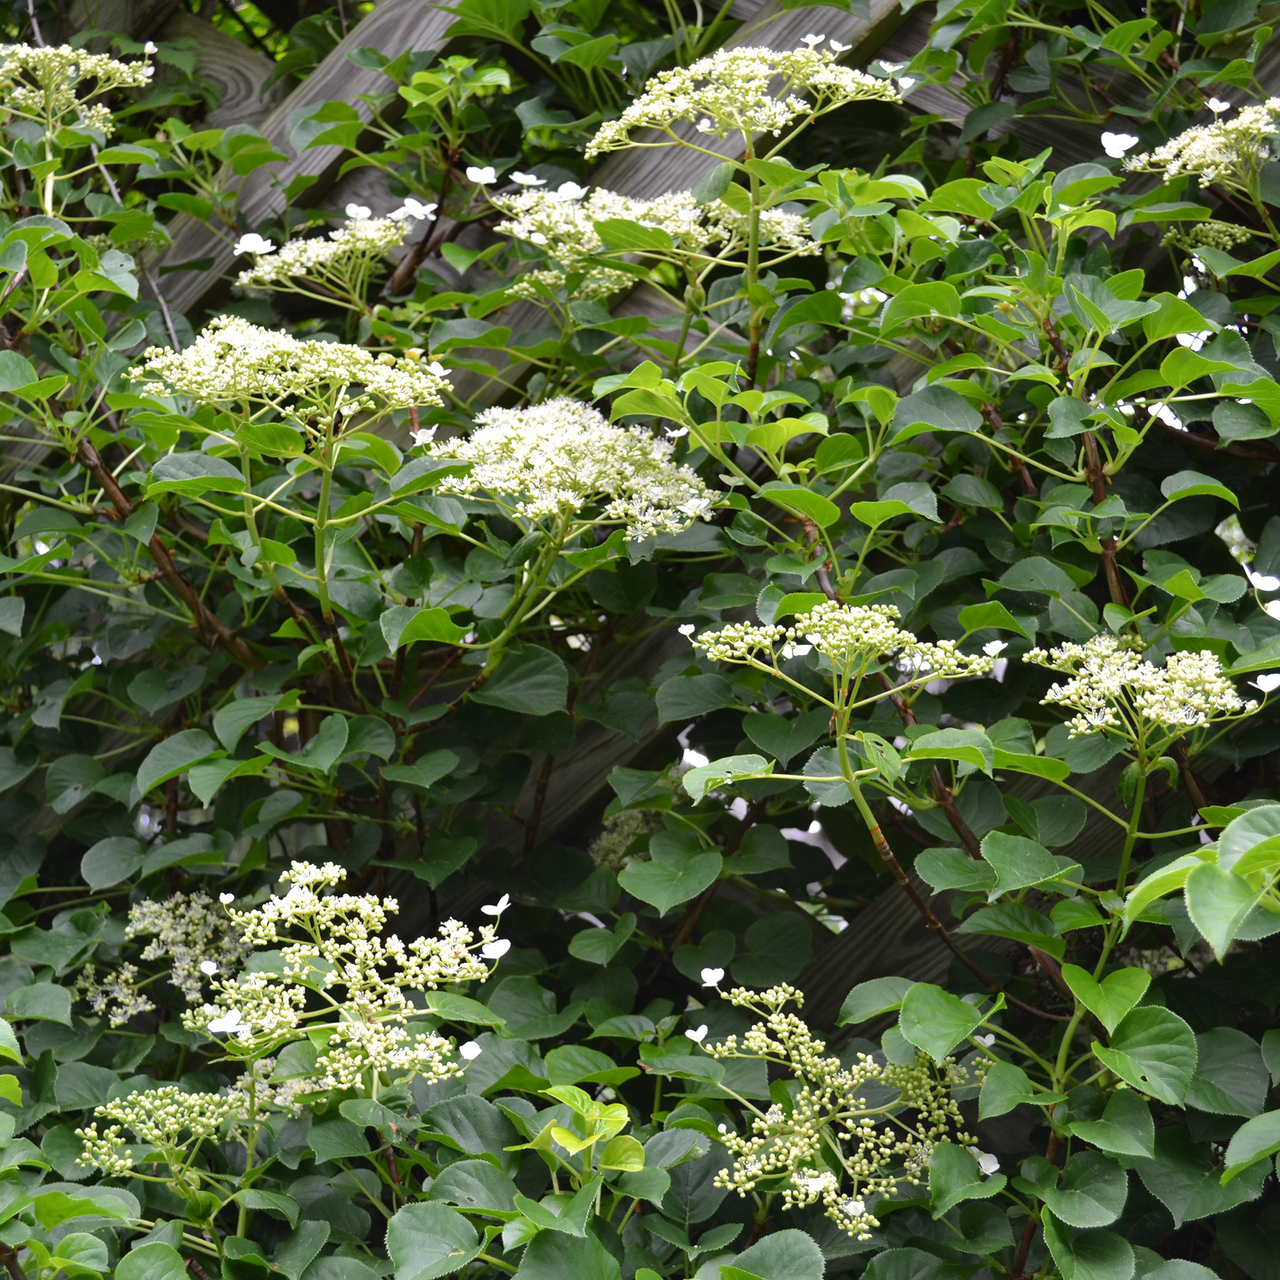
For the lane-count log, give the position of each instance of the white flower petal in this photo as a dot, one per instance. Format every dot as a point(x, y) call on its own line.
point(712, 977)
point(698, 1035)
point(470, 1051)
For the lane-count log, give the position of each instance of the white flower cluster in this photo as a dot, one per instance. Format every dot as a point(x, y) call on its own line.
point(116, 997)
point(330, 261)
point(561, 456)
point(342, 952)
point(851, 637)
point(743, 90)
point(1227, 151)
point(235, 361)
point(192, 934)
point(167, 1119)
point(44, 84)
point(830, 1118)
point(1112, 688)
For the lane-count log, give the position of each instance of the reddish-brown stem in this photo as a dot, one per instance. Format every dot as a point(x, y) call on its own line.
point(197, 1270)
point(211, 629)
point(10, 1259)
point(996, 422)
point(1098, 481)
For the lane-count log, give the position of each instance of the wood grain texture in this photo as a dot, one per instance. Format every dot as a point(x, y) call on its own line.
point(237, 71)
point(394, 26)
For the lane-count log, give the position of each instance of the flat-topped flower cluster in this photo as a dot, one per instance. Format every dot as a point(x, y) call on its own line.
point(1226, 151)
point(1112, 688)
point(744, 91)
point(234, 361)
point(323, 258)
point(877, 1145)
point(46, 84)
point(555, 459)
point(851, 637)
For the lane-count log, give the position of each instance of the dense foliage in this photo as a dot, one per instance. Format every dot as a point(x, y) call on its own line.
point(466, 691)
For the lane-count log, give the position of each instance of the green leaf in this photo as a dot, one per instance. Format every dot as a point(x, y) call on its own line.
point(916, 301)
point(1255, 1140)
point(194, 473)
point(1154, 1051)
point(936, 1021)
point(424, 772)
point(9, 1049)
point(1007, 1086)
point(954, 1177)
point(1091, 1193)
point(670, 877)
point(12, 610)
point(270, 1202)
point(172, 756)
point(801, 501)
point(977, 617)
point(1189, 1181)
point(205, 779)
point(876, 996)
point(552, 1255)
point(319, 754)
point(621, 235)
point(599, 946)
point(403, 624)
point(687, 697)
point(1126, 1127)
point(1088, 1255)
point(907, 1264)
point(1187, 484)
point(1111, 999)
point(782, 1255)
point(16, 371)
point(702, 778)
point(40, 1002)
point(155, 1261)
point(936, 408)
point(532, 681)
point(1218, 902)
point(426, 1240)
point(1231, 1075)
point(782, 738)
point(475, 1186)
point(110, 861)
point(964, 746)
point(230, 723)
point(1018, 862)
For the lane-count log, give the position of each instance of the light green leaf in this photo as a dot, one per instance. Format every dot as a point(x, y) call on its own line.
point(954, 1177)
point(1218, 903)
point(531, 680)
point(1111, 999)
point(403, 624)
point(1154, 1051)
point(172, 756)
point(194, 473)
point(1126, 1127)
point(319, 754)
point(670, 877)
point(424, 772)
point(427, 1240)
point(867, 999)
point(1091, 1193)
point(1088, 1255)
point(936, 1021)
point(110, 861)
point(702, 778)
point(41, 1001)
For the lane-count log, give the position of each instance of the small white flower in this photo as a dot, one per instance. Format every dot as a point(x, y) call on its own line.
point(674, 433)
point(1268, 683)
point(209, 967)
point(892, 68)
point(906, 82)
point(528, 180)
point(987, 1040)
point(498, 907)
point(855, 1208)
point(253, 243)
point(722, 1128)
point(496, 949)
point(1262, 581)
point(838, 47)
point(994, 647)
point(988, 1163)
point(706, 125)
point(150, 47)
point(688, 630)
point(226, 898)
point(698, 1035)
point(1116, 144)
point(470, 1051)
point(421, 438)
point(812, 39)
point(536, 237)
point(228, 1022)
point(570, 191)
point(482, 175)
point(357, 212)
point(710, 977)
point(1218, 106)
point(1272, 607)
point(415, 209)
